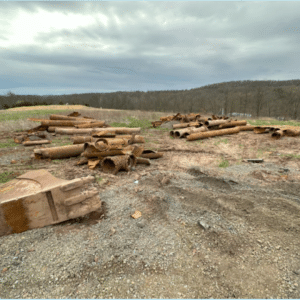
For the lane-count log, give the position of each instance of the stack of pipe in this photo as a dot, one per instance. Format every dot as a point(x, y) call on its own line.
point(208, 127)
point(72, 121)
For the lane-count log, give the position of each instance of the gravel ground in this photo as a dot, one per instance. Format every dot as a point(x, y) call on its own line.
point(196, 229)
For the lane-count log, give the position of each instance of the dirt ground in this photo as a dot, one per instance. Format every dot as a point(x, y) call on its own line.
point(213, 225)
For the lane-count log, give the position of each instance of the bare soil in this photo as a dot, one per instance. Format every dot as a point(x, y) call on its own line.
point(206, 231)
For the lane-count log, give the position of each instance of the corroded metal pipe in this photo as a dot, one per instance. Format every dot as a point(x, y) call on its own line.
point(233, 124)
point(204, 135)
point(59, 152)
point(215, 122)
point(63, 122)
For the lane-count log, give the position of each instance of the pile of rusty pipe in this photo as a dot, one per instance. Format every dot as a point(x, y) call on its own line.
point(59, 152)
point(233, 124)
point(204, 135)
point(63, 122)
point(215, 122)
point(277, 134)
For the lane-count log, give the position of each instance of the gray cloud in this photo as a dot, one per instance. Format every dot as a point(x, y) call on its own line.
point(70, 47)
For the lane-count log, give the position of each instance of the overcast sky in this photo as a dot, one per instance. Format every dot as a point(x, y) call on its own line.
point(80, 47)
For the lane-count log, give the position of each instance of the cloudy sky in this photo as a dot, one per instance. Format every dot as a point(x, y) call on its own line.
point(78, 47)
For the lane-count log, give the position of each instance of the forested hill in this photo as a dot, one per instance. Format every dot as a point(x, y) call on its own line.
point(258, 98)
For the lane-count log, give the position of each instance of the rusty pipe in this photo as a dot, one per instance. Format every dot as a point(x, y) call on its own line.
point(204, 135)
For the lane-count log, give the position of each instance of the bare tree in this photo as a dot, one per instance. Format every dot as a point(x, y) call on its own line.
point(259, 101)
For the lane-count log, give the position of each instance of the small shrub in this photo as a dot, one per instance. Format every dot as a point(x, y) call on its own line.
point(5, 176)
point(224, 163)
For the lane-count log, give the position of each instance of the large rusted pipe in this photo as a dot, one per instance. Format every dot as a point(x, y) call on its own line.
point(59, 152)
point(81, 139)
point(34, 143)
point(246, 128)
point(181, 125)
point(260, 130)
point(114, 164)
point(204, 135)
point(52, 128)
point(91, 125)
point(113, 141)
point(291, 132)
point(233, 124)
point(63, 122)
point(215, 122)
point(151, 154)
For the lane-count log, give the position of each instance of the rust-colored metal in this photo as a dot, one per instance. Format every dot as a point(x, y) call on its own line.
point(36, 129)
point(19, 139)
point(259, 129)
point(74, 130)
point(156, 123)
point(151, 154)
point(277, 134)
point(135, 139)
point(181, 125)
point(204, 135)
point(114, 141)
point(104, 134)
point(91, 125)
point(182, 132)
point(81, 139)
point(82, 161)
point(166, 119)
point(141, 160)
point(59, 152)
point(138, 150)
point(74, 114)
point(92, 163)
point(195, 124)
point(196, 130)
point(117, 130)
point(63, 122)
point(52, 128)
point(202, 119)
point(114, 164)
point(233, 124)
point(291, 132)
point(34, 143)
point(214, 122)
point(37, 199)
point(61, 117)
point(246, 128)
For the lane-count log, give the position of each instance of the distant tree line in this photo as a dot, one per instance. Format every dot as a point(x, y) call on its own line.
point(258, 98)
